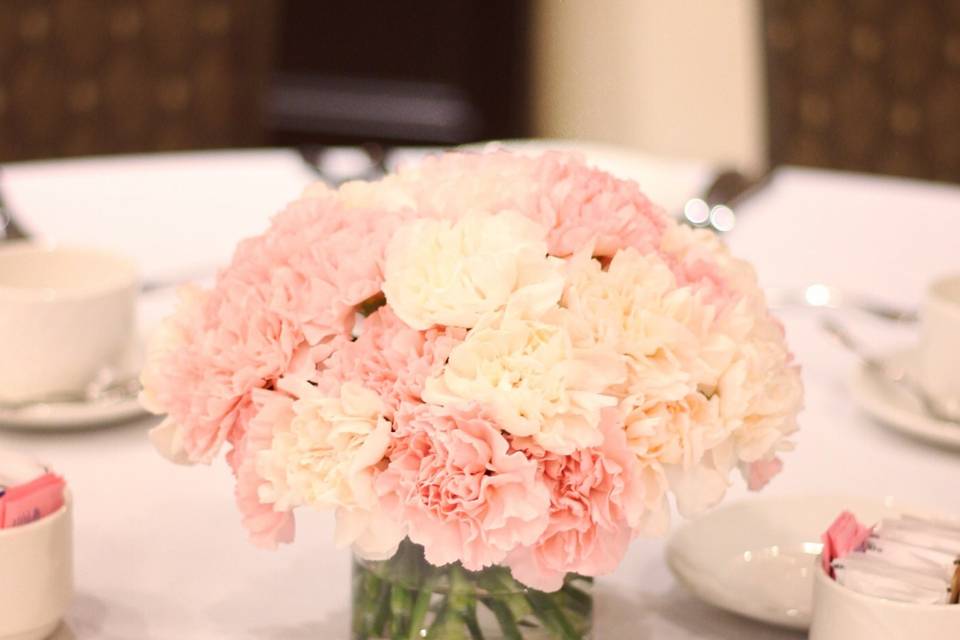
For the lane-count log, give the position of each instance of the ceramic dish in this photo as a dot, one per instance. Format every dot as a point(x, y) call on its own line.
point(896, 408)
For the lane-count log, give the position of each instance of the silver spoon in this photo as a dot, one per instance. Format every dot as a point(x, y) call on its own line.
point(943, 411)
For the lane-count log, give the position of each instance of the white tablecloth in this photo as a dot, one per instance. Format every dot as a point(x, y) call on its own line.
point(159, 549)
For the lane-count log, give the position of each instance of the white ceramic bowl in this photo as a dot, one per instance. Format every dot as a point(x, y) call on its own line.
point(36, 575)
point(840, 613)
point(65, 313)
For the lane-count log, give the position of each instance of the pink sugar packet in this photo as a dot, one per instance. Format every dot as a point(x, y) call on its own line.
point(842, 537)
point(31, 501)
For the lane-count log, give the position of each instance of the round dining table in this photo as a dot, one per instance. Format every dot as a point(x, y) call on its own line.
point(159, 549)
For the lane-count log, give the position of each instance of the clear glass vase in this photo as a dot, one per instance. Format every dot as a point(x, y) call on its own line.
point(407, 598)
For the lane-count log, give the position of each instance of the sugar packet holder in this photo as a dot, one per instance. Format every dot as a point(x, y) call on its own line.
point(909, 559)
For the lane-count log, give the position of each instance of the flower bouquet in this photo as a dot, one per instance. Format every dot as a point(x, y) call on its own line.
point(495, 368)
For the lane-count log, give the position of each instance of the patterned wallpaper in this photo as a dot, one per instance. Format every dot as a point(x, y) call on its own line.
point(867, 85)
point(108, 76)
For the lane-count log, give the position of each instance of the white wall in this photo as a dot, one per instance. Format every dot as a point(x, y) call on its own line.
point(681, 78)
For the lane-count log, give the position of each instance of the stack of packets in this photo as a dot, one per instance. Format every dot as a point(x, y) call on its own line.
point(908, 559)
point(28, 490)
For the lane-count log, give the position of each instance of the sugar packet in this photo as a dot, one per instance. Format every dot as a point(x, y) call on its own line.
point(873, 575)
point(32, 501)
point(911, 556)
point(28, 490)
point(921, 533)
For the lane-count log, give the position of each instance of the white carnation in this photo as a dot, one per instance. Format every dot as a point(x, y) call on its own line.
point(327, 457)
point(709, 381)
point(453, 272)
point(541, 376)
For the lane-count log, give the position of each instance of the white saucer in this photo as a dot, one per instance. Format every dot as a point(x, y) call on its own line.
point(756, 558)
point(896, 408)
point(70, 415)
point(59, 416)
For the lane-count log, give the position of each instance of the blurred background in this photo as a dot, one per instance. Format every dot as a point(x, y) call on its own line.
point(866, 85)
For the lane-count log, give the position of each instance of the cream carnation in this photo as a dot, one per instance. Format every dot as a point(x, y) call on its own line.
point(452, 273)
point(677, 438)
point(759, 386)
point(327, 457)
point(636, 307)
point(709, 384)
point(542, 376)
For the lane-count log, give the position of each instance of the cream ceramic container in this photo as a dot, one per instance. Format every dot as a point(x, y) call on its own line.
point(840, 613)
point(36, 575)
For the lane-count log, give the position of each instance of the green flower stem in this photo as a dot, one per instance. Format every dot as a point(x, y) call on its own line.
point(548, 613)
point(507, 622)
point(577, 599)
point(399, 598)
point(371, 589)
point(470, 619)
point(383, 610)
point(419, 611)
point(501, 585)
point(578, 594)
point(448, 625)
point(460, 600)
point(371, 304)
point(463, 601)
point(401, 603)
point(359, 613)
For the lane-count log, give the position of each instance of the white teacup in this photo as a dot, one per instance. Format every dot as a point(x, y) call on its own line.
point(940, 343)
point(65, 313)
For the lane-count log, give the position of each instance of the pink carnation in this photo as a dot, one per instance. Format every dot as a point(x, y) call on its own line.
point(267, 526)
point(596, 501)
point(758, 474)
point(288, 296)
point(580, 204)
point(463, 494)
point(577, 203)
point(702, 275)
point(391, 358)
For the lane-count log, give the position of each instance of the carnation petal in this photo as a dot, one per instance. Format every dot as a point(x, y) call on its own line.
point(696, 489)
point(167, 439)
